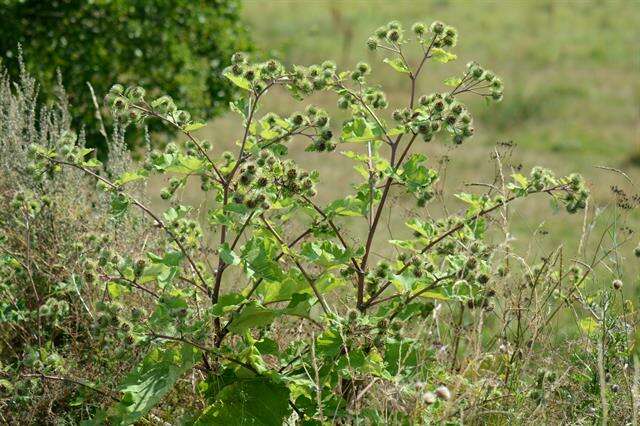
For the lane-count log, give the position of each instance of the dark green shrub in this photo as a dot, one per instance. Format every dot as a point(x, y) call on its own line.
point(179, 45)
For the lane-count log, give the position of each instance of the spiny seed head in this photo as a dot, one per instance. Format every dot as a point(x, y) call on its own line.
point(429, 398)
point(237, 70)
point(322, 121)
point(394, 25)
point(136, 93)
point(272, 65)
point(238, 58)
point(393, 35)
point(437, 27)
point(372, 43)
point(297, 119)
point(363, 67)
point(326, 134)
point(117, 89)
point(381, 32)
point(249, 75)
point(343, 103)
point(443, 392)
point(617, 284)
point(419, 28)
point(483, 278)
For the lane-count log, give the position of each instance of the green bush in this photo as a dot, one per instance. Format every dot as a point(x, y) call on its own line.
point(179, 45)
point(51, 227)
point(260, 304)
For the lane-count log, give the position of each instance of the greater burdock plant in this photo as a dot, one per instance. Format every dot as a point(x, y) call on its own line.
point(277, 306)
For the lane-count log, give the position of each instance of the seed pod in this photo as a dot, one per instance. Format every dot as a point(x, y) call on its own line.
point(419, 28)
point(617, 284)
point(437, 27)
point(393, 35)
point(429, 398)
point(443, 392)
point(238, 58)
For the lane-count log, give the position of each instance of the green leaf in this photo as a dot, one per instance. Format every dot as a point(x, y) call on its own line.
point(193, 127)
point(442, 55)
point(256, 401)
point(237, 80)
point(170, 258)
point(258, 256)
point(229, 256)
point(92, 162)
point(185, 164)
point(452, 81)
point(359, 130)
point(329, 343)
point(277, 291)
point(127, 177)
point(326, 253)
point(148, 383)
point(119, 205)
point(349, 206)
point(227, 303)
point(253, 315)
point(589, 325)
point(416, 176)
point(397, 64)
point(425, 229)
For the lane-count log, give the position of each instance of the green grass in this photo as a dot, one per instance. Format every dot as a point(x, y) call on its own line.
point(571, 92)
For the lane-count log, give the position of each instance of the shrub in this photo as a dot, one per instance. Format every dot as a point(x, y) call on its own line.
point(178, 45)
point(51, 228)
point(281, 309)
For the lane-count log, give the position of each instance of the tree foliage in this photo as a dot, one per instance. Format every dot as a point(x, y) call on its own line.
point(178, 45)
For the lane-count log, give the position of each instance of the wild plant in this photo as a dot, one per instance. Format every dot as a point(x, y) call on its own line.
point(276, 306)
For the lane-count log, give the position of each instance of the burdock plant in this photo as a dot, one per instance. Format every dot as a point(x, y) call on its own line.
point(276, 301)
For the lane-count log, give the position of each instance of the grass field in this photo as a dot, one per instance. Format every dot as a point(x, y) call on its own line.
point(571, 99)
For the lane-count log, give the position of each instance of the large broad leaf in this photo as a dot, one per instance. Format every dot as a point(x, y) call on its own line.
point(415, 175)
point(256, 401)
point(442, 55)
point(253, 315)
point(349, 206)
point(239, 81)
point(148, 383)
point(279, 291)
point(258, 256)
point(326, 253)
point(397, 64)
point(256, 315)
